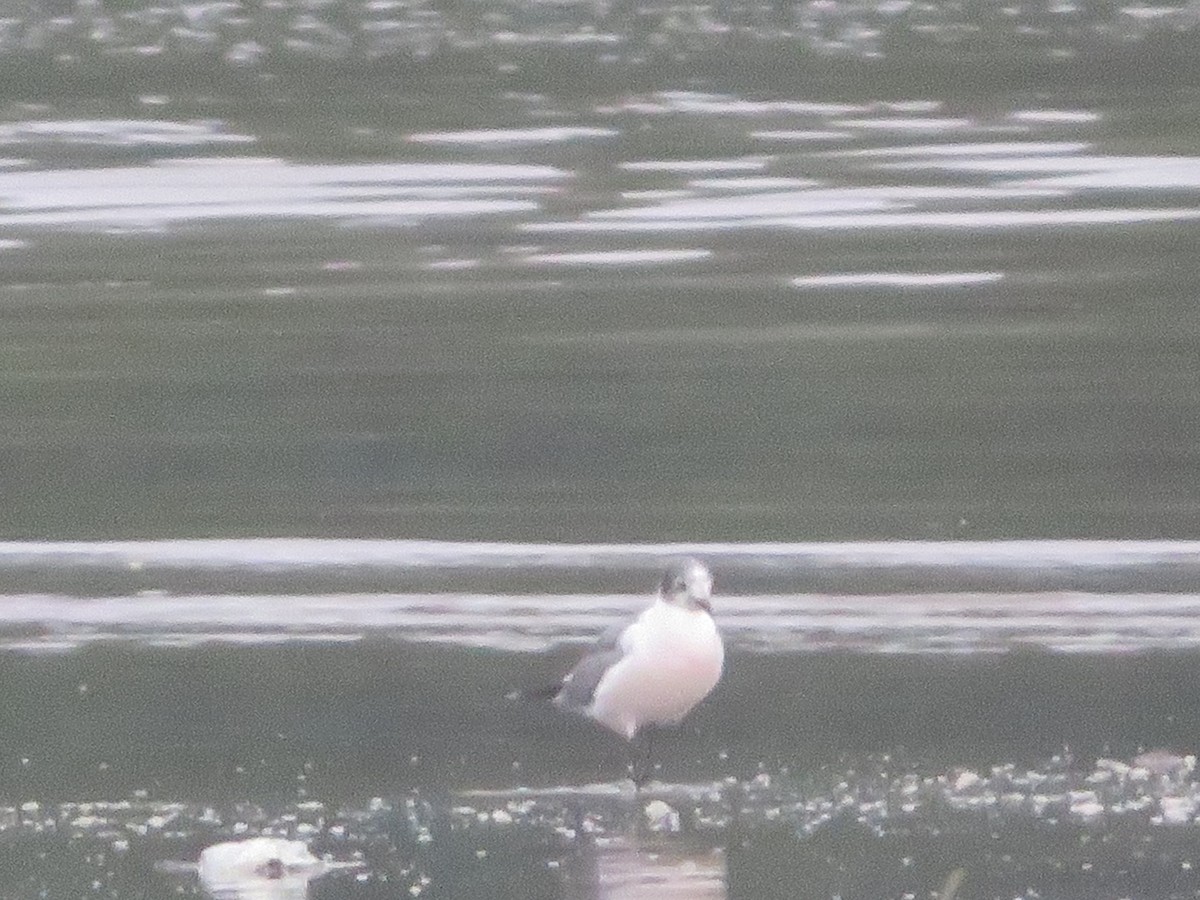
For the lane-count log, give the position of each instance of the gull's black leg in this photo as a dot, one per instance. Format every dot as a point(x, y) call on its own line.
point(634, 759)
point(642, 764)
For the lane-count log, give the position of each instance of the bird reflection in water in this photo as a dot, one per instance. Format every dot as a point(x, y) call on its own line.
point(651, 869)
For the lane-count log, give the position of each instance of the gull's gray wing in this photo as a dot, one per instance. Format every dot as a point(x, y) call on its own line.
point(579, 686)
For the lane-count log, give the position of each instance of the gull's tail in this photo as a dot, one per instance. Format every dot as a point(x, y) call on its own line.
point(545, 692)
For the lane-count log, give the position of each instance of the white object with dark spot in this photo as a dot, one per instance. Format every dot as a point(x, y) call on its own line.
point(258, 867)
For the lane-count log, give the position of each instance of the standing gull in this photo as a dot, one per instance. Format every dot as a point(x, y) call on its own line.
point(653, 669)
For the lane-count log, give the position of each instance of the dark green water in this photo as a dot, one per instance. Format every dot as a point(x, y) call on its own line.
point(817, 751)
point(221, 724)
point(344, 373)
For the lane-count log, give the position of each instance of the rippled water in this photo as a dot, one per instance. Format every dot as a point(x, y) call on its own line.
point(995, 168)
point(674, 314)
point(1062, 596)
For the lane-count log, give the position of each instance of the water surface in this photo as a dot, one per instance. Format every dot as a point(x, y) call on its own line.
point(662, 317)
point(361, 363)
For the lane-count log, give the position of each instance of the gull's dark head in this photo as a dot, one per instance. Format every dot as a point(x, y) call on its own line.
point(688, 584)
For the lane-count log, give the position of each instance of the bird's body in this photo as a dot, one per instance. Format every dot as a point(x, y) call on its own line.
point(671, 659)
point(656, 668)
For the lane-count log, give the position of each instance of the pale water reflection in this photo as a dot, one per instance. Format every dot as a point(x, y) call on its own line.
point(628, 869)
point(181, 191)
point(250, 185)
point(514, 136)
point(147, 133)
point(898, 279)
point(617, 257)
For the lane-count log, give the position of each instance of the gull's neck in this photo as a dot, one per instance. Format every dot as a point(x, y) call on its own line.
point(661, 602)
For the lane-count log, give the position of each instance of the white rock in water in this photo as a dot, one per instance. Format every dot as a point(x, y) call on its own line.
point(1161, 762)
point(246, 868)
point(661, 816)
point(1012, 800)
point(1177, 810)
point(1114, 766)
point(966, 781)
point(1086, 805)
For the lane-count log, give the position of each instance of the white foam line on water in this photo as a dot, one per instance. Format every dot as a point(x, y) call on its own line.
point(617, 257)
point(192, 190)
point(794, 333)
point(751, 182)
point(282, 554)
point(663, 194)
point(903, 124)
point(454, 265)
point(1168, 174)
point(772, 203)
point(1049, 164)
point(993, 148)
point(695, 165)
point(556, 613)
point(812, 135)
point(159, 216)
point(121, 132)
point(1002, 219)
point(909, 623)
point(247, 193)
point(1057, 116)
point(513, 136)
point(209, 178)
point(897, 279)
point(804, 201)
point(725, 105)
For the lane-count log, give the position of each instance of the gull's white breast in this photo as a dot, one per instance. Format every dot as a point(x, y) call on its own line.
point(673, 658)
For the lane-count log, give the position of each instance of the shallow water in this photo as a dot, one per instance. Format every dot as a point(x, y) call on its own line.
point(860, 744)
point(358, 363)
point(183, 712)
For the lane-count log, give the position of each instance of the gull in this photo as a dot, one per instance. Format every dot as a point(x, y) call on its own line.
point(654, 669)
